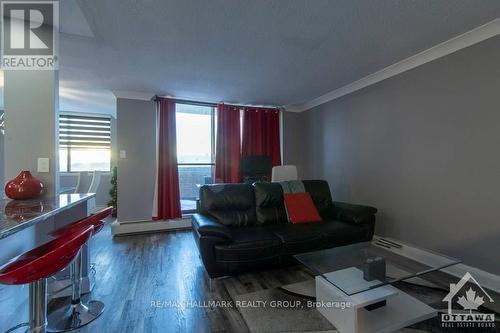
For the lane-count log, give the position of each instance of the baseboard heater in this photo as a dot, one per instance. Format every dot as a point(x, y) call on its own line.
point(120, 228)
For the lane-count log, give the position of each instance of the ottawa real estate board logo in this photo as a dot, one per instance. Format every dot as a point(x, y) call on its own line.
point(469, 296)
point(29, 35)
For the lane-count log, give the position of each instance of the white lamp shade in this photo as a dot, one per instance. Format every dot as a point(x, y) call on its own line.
point(284, 173)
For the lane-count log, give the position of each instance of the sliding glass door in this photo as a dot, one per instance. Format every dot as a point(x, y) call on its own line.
point(195, 125)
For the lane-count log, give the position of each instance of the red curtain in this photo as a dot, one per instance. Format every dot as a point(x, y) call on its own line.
point(168, 199)
point(261, 133)
point(227, 144)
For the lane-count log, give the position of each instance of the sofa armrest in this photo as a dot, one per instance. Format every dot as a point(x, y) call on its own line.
point(353, 213)
point(207, 226)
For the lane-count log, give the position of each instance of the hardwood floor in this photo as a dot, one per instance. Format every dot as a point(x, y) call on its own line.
point(133, 272)
point(153, 282)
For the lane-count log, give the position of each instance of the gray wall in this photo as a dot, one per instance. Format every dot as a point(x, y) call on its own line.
point(114, 147)
point(2, 156)
point(136, 127)
point(31, 107)
point(294, 141)
point(423, 147)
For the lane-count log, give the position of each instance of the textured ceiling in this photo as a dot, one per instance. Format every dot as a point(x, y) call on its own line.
point(272, 52)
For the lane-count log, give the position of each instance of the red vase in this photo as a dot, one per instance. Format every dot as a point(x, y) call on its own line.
point(24, 186)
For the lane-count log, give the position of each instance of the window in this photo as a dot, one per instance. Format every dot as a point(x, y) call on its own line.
point(195, 127)
point(84, 143)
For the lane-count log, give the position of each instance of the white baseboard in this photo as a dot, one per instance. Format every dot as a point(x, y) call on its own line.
point(139, 227)
point(485, 279)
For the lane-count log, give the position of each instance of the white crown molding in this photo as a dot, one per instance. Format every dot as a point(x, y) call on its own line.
point(457, 43)
point(129, 94)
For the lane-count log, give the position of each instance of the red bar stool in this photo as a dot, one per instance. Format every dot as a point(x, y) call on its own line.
point(35, 266)
point(78, 313)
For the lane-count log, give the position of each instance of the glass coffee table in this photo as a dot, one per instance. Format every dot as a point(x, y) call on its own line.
point(354, 284)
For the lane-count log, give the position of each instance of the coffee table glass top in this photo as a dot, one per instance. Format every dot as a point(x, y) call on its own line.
point(363, 266)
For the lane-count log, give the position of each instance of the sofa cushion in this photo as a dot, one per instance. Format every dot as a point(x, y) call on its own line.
point(338, 233)
point(269, 203)
point(230, 204)
point(300, 208)
point(253, 243)
point(321, 196)
point(297, 238)
point(359, 214)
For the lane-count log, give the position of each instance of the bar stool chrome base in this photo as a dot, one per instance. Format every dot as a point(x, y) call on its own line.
point(15, 328)
point(37, 309)
point(74, 316)
point(27, 329)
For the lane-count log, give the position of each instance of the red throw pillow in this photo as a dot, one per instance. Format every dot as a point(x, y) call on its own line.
point(300, 208)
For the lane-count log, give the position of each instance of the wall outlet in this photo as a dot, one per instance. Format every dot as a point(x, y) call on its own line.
point(43, 164)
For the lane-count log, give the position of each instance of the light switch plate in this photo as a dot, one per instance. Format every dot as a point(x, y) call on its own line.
point(123, 154)
point(43, 164)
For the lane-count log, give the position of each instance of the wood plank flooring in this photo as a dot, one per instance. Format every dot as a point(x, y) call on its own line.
point(135, 272)
point(132, 272)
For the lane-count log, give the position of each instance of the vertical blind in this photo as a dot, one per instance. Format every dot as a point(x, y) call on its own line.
point(84, 132)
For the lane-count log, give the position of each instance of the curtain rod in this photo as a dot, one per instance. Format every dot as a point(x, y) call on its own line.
point(188, 102)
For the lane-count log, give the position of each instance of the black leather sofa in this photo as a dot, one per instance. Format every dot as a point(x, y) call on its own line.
point(242, 227)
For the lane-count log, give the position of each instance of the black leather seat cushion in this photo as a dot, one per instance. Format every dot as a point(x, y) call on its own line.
point(321, 196)
point(338, 232)
point(249, 244)
point(299, 238)
point(229, 204)
point(270, 207)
